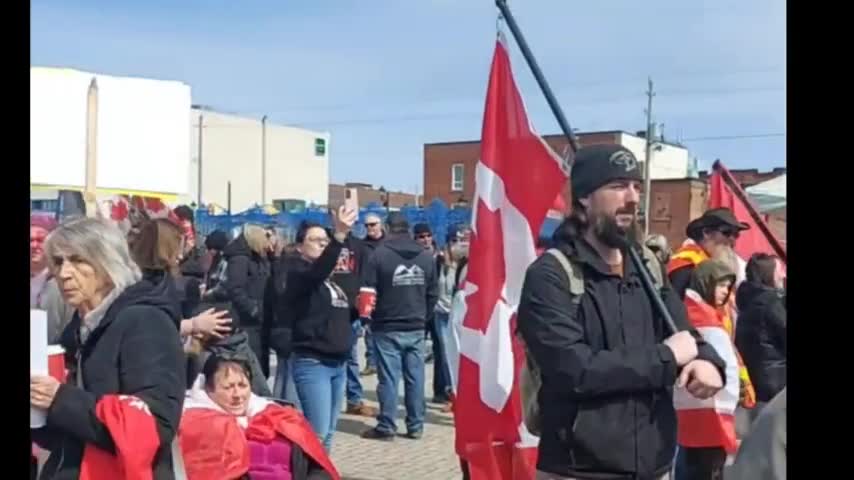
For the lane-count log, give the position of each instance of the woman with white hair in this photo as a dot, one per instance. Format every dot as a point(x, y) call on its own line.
point(122, 405)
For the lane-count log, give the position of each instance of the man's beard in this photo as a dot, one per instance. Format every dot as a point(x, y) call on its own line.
point(606, 229)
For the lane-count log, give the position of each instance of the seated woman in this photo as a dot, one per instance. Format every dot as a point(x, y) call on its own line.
point(229, 433)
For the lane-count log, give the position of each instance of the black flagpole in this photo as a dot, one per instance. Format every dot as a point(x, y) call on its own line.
point(538, 74)
point(639, 264)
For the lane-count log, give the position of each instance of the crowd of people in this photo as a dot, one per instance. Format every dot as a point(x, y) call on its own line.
point(150, 321)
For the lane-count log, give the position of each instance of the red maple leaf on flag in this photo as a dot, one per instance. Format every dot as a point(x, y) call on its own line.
point(489, 282)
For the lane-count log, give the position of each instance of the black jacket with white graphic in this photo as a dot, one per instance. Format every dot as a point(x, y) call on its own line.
point(404, 277)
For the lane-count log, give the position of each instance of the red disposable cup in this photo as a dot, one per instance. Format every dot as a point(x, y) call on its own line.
point(365, 301)
point(56, 362)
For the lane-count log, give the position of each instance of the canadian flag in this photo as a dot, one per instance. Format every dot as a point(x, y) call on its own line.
point(516, 181)
point(134, 433)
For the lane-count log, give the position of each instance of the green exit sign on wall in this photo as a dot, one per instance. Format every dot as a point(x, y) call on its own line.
point(320, 147)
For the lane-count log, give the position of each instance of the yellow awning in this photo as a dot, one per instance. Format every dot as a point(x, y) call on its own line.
point(166, 197)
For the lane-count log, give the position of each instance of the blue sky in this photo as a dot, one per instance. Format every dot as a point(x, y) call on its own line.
point(386, 76)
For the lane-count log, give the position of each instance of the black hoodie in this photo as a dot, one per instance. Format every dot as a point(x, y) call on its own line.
point(760, 336)
point(405, 279)
point(134, 350)
point(245, 281)
point(315, 308)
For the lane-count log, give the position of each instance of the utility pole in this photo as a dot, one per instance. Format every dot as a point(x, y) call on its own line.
point(647, 165)
point(199, 166)
point(264, 160)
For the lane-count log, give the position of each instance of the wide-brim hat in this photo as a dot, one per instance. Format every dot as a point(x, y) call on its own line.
point(716, 218)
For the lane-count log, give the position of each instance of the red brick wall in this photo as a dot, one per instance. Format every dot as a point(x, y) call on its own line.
point(674, 203)
point(777, 223)
point(439, 158)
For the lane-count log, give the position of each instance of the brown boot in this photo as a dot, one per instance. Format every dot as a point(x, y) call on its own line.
point(362, 410)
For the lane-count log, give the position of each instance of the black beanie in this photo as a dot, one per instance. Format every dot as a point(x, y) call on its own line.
point(216, 240)
point(420, 229)
point(598, 165)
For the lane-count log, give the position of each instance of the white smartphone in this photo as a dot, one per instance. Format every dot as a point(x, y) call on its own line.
point(351, 200)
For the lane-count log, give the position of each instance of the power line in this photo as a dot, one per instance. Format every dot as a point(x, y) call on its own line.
point(622, 80)
point(458, 115)
point(734, 137)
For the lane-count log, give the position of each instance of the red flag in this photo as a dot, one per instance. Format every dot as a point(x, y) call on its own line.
point(516, 181)
point(724, 191)
point(134, 433)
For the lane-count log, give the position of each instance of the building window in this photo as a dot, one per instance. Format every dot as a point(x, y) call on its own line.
point(457, 172)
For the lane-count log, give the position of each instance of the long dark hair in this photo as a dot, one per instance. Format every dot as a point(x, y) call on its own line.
point(760, 269)
point(573, 225)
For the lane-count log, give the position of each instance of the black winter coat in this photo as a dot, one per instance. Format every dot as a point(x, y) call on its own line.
point(193, 265)
point(245, 282)
point(278, 334)
point(606, 400)
point(760, 336)
point(134, 350)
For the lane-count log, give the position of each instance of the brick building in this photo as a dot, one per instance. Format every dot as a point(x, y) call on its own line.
point(368, 194)
point(449, 167)
point(673, 204)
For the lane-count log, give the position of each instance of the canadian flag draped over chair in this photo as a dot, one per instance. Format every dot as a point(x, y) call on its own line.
point(516, 182)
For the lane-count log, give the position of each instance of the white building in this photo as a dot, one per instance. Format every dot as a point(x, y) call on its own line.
point(262, 162)
point(669, 161)
point(142, 143)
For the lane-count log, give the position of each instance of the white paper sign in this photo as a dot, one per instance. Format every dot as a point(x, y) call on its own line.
point(38, 359)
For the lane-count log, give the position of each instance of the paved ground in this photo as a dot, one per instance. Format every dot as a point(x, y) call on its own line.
point(431, 458)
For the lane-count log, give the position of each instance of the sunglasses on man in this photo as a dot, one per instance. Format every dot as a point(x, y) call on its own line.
point(730, 232)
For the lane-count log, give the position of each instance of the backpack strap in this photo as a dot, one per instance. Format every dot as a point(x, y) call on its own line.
point(575, 276)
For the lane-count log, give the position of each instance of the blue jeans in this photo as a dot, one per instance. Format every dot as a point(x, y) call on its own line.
point(354, 384)
point(678, 470)
point(283, 385)
point(441, 371)
point(370, 349)
point(400, 352)
point(320, 387)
